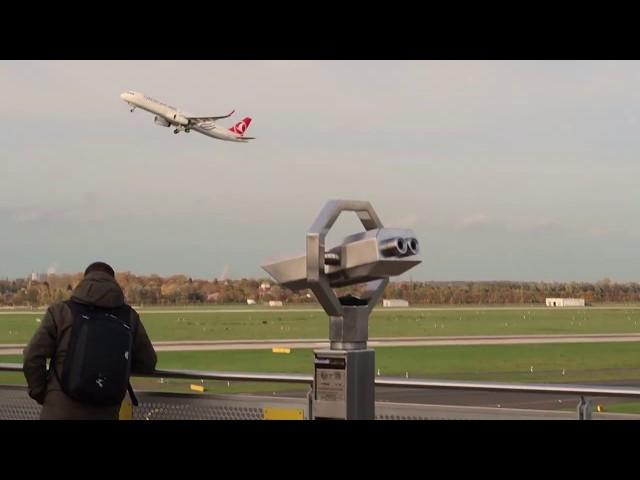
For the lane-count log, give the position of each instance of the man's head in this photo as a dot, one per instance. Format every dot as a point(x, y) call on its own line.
point(100, 267)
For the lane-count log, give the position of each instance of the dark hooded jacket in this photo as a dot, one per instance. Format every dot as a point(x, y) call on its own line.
point(51, 340)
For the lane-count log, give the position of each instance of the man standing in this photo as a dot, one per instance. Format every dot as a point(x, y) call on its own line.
point(102, 339)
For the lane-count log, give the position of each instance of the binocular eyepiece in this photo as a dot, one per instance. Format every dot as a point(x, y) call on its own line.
point(400, 247)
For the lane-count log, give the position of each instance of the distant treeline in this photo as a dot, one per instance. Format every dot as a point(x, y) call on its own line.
point(182, 290)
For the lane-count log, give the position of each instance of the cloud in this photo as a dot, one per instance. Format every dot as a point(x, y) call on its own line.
point(476, 220)
point(536, 225)
point(598, 231)
point(409, 220)
point(74, 213)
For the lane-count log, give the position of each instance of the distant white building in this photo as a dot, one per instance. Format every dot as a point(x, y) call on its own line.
point(251, 301)
point(275, 303)
point(265, 286)
point(38, 277)
point(565, 302)
point(387, 302)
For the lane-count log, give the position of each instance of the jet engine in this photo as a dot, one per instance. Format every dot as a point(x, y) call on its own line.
point(161, 121)
point(180, 120)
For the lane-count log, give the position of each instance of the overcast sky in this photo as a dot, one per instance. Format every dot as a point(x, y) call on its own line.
point(505, 170)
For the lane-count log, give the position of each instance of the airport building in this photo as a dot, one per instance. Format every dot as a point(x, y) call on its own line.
point(387, 302)
point(275, 303)
point(565, 302)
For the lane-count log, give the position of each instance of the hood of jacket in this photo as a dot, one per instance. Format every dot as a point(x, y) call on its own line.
point(100, 289)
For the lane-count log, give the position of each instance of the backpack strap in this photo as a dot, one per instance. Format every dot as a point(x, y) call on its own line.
point(127, 309)
point(124, 314)
point(132, 394)
point(73, 306)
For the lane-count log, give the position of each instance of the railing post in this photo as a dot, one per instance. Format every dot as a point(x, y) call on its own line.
point(585, 408)
point(310, 402)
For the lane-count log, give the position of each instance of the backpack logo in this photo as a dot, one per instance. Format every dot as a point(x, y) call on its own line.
point(100, 382)
point(126, 355)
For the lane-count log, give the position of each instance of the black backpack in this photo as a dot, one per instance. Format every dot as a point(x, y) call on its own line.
point(98, 362)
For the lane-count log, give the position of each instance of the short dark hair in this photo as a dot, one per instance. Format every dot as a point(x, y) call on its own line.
point(100, 267)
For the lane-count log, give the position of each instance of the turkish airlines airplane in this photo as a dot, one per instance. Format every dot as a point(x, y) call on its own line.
point(166, 116)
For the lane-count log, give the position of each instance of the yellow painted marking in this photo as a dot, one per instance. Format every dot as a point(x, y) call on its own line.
point(126, 410)
point(197, 388)
point(283, 414)
point(281, 350)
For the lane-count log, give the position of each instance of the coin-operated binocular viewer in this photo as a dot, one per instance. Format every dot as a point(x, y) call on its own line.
point(344, 380)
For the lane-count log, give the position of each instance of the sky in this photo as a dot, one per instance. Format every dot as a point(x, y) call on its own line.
point(505, 170)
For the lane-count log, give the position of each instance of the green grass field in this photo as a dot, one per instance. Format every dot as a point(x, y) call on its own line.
point(588, 362)
point(582, 363)
point(593, 363)
point(284, 324)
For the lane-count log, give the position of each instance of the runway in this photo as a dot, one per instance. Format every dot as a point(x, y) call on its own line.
point(215, 345)
point(143, 311)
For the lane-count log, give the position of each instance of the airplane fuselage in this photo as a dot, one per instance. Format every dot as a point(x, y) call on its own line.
point(167, 115)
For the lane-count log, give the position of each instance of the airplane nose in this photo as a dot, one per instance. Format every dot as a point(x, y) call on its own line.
point(123, 96)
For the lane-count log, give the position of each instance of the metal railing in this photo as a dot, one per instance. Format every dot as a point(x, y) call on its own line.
point(206, 375)
point(584, 407)
point(300, 378)
point(603, 391)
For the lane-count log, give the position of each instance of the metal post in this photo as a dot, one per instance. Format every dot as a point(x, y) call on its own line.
point(585, 409)
point(344, 386)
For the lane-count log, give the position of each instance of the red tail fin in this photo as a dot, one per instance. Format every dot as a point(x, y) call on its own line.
point(241, 127)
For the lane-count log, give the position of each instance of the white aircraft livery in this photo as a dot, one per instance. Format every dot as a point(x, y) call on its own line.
point(166, 116)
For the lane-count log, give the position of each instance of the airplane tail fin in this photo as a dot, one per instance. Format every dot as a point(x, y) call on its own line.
point(241, 127)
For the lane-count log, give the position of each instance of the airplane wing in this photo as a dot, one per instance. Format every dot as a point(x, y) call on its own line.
point(209, 119)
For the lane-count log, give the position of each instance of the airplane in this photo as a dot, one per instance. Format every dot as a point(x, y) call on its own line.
point(166, 116)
